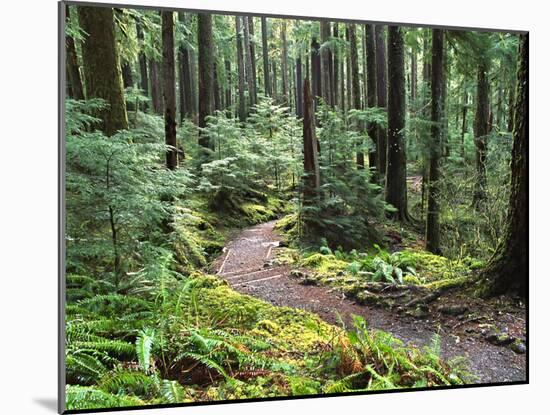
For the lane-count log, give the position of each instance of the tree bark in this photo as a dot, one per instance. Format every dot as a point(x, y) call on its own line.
point(336, 69)
point(381, 97)
point(73, 72)
point(186, 93)
point(240, 69)
point(481, 130)
point(228, 88)
point(156, 94)
point(169, 79)
point(396, 178)
point(370, 43)
point(249, 64)
point(299, 88)
point(284, 63)
point(311, 161)
point(265, 57)
point(464, 120)
point(101, 66)
point(253, 57)
point(349, 101)
point(507, 272)
point(356, 89)
point(326, 91)
point(315, 73)
point(206, 71)
point(432, 216)
point(143, 76)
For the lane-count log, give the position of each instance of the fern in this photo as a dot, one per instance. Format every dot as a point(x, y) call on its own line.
point(78, 397)
point(172, 391)
point(144, 344)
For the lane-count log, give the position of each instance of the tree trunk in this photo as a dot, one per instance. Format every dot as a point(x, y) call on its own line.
point(481, 130)
point(464, 118)
point(274, 81)
point(143, 79)
point(249, 64)
point(240, 69)
point(370, 43)
point(206, 71)
point(507, 272)
point(284, 63)
point(336, 69)
point(381, 97)
point(127, 80)
point(169, 80)
point(396, 178)
point(511, 110)
point(228, 81)
point(253, 57)
point(101, 66)
point(349, 103)
point(311, 161)
point(265, 56)
point(216, 92)
point(73, 73)
point(356, 89)
point(414, 78)
point(315, 73)
point(187, 104)
point(326, 91)
point(432, 216)
point(156, 95)
point(299, 88)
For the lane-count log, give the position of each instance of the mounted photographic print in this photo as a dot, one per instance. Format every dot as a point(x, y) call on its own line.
point(259, 207)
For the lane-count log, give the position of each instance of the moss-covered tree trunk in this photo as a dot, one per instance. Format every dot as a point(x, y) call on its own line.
point(253, 58)
point(156, 92)
point(265, 58)
point(370, 52)
point(73, 73)
point(396, 175)
point(284, 64)
point(240, 69)
point(186, 93)
point(299, 88)
point(432, 216)
point(506, 273)
point(206, 74)
point(355, 90)
point(169, 80)
point(315, 72)
point(101, 66)
point(381, 97)
point(336, 69)
point(481, 131)
point(143, 76)
point(249, 64)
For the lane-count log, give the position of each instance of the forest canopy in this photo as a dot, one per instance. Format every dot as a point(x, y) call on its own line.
point(388, 163)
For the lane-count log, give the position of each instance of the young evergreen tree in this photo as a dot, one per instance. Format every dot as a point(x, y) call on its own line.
point(102, 67)
point(396, 176)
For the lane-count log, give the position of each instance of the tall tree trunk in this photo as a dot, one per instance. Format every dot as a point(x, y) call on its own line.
point(481, 130)
point(156, 94)
point(186, 92)
point(275, 92)
point(506, 272)
point(336, 69)
point(511, 100)
point(240, 69)
point(265, 57)
point(216, 92)
point(464, 120)
point(370, 52)
point(75, 81)
point(396, 178)
point(414, 78)
point(299, 88)
point(284, 63)
point(249, 64)
point(349, 100)
point(315, 72)
point(143, 76)
point(127, 80)
point(101, 66)
point(169, 79)
point(206, 71)
point(228, 81)
point(253, 55)
point(311, 157)
point(326, 91)
point(356, 89)
point(432, 216)
point(381, 97)
point(444, 111)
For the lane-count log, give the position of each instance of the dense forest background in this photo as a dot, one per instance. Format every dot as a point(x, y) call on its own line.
point(393, 157)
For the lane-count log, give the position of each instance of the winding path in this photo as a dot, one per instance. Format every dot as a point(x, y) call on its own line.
point(246, 265)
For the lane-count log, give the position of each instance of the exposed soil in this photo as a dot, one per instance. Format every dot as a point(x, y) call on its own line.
point(246, 265)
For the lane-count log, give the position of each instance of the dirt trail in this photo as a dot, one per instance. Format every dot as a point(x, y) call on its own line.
point(245, 265)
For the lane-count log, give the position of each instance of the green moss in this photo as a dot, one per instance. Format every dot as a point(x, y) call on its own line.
point(448, 283)
point(287, 256)
point(324, 263)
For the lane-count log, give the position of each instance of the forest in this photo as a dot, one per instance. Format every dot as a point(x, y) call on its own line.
point(262, 207)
